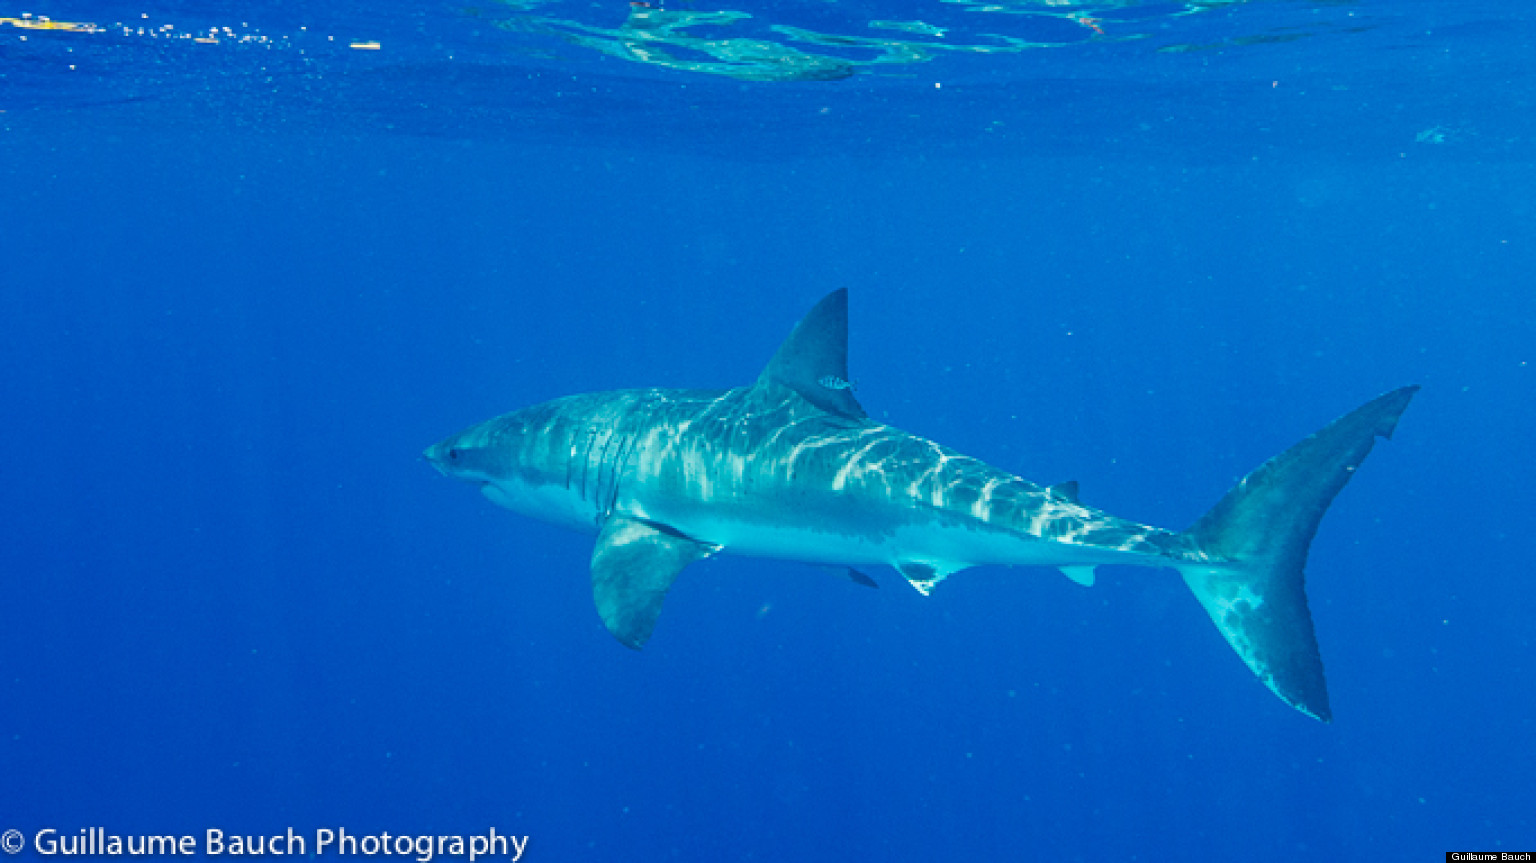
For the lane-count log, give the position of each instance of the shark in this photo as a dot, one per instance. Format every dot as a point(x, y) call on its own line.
point(792, 467)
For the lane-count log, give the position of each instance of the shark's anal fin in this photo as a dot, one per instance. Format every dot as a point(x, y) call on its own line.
point(926, 575)
point(1080, 574)
point(633, 567)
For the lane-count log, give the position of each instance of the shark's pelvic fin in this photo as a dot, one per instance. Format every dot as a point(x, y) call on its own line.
point(816, 352)
point(848, 572)
point(860, 578)
point(633, 567)
point(1264, 527)
point(925, 575)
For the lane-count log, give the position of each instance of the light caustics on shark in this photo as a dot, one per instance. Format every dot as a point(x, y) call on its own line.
point(792, 468)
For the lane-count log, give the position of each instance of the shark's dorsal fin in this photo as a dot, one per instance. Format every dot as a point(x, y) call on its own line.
point(813, 361)
point(633, 566)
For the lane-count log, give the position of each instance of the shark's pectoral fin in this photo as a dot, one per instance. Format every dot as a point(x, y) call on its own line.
point(633, 567)
point(925, 575)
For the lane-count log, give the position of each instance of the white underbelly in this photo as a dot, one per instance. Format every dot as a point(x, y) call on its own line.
point(552, 503)
point(958, 545)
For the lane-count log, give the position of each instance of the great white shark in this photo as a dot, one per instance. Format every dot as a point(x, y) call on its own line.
point(791, 467)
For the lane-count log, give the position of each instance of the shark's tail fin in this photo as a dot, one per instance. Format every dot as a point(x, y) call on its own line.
point(1262, 530)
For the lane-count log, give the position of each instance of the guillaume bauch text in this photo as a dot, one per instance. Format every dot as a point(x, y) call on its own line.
point(215, 843)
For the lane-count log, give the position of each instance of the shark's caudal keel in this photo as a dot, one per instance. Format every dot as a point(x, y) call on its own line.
point(791, 467)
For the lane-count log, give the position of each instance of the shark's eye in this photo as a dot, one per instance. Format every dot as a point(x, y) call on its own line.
point(453, 454)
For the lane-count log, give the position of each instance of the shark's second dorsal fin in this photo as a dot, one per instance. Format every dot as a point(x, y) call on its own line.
point(1067, 491)
point(813, 361)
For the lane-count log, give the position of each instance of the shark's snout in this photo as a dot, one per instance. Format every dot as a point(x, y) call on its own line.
point(455, 459)
point(434, 456)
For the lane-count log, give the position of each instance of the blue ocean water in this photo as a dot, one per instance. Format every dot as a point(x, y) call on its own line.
point(254, 257)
